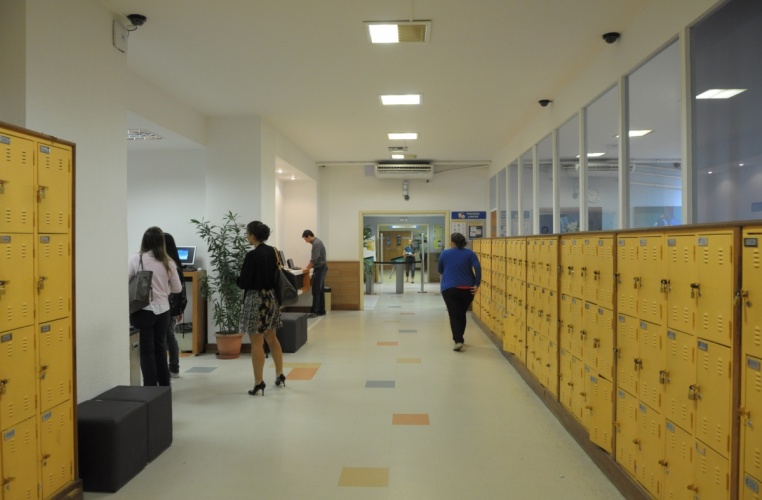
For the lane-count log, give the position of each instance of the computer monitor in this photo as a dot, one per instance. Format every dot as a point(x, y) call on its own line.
point(187, 255)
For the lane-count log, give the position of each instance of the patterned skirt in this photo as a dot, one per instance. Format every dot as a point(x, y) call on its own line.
point(260, 312)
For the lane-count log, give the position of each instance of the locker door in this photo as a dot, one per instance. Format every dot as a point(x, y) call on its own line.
point(605, 277)
point(603, 343)
point(589, 332)
point(714, 377)
point(751, 421)
point(649, 470)
point(552, 368)
point(567, 266)
point(651, 293)
point(716, 278)
point(628, 354)
point(16, 288)
point(601, 409)
point(19, 453)
point(577, 397)
point(626, 427)
point(712, 476)
point(627, 276)
point(509, 333)
point(751, 309)
point(750, 488)
point(583, 414)
point(565, 378)
point(652, 365)
point(521, 259)
point(550, 311)
point(55, 345)
point(578, 262)
point(53, 190)
point(521, 342)
point(590, 265)
point(680, 352)
point(578, 324)
point(57, 446)
point(551, 264)
point(678, 463)
point(681, 273)
point(53, 277)
point(567, 324)
point(17, 377)
point(16, 184)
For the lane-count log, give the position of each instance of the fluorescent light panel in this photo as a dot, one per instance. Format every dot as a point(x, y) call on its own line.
point(401, 99)
point(593, 155)
point(398, 31)
point(638, 133)
point(719, 93)
point(403, 136)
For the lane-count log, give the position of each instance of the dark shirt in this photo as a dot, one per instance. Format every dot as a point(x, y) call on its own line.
point(318, 254)
point(258, 271)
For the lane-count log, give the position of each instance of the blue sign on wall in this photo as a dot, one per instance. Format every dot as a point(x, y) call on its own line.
point(469, 215)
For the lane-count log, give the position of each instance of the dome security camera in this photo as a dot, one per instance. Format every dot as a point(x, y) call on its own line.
point(137, 19)
point(611, 37)
point(544, 102)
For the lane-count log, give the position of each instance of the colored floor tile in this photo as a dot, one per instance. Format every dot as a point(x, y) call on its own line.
point(410, 419)
point(383, 384)
point(364, 476)
point(387, 343)
point(301, 374)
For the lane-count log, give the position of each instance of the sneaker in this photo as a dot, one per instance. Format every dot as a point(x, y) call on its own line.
point(458, 347)
point(174, 374)
point(312, 315)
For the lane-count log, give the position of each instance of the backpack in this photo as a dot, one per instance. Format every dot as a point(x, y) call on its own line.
point(178, 301)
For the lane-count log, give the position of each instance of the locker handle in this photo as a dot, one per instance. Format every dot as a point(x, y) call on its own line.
point(693, 488)
point(41, 192)
point(663, 374)
point(693, 392)
point(43, 372)
point(2, 287)
point(582, 334)
point(618, 278)
point(596, 343)
point(745, 295)
point(3, 383)
point(695, 288)
point(636, 441)
point(596, 275)
point(583, 394)
point(638, 364)
point(663, 463)
point(664, 286)
point(7, 481)
point(636, 282)
point(583, 271)
point(570, 270)
point(41, 283)
point(570, 384)
point(547, 365)
point(588, 407)
point(2, 186)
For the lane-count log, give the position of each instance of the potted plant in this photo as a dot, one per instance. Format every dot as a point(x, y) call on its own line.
point(226, 247)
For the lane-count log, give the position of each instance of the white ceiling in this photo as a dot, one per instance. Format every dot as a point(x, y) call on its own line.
point(306, 66)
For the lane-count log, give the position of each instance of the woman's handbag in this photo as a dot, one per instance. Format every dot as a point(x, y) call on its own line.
point(140, 288)
point(285, 285)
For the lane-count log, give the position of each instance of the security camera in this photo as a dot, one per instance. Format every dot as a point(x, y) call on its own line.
point(611, 37)
point(137, 19)
point(544, 102)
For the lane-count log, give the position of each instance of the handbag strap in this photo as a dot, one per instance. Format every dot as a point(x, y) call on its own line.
point(277, 258)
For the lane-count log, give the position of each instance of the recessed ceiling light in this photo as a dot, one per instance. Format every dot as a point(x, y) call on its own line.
point(403, 136)
point(398, 31)
point(710, 172)
point(719, 93)
point(593, 155)
point(141, 134)
point(740, 164)
point(293, 177)
point(398, 156)
point(638, 133)
point(401, 100)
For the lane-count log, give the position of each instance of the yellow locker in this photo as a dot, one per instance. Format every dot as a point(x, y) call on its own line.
point(603, 344)
point(579, 396)
point(55, 375)
point(565, 378)
point(53, 189)
point(567, 324)
point(533, 254)
point(19, 453)
point(57, 447)
point(551, 368)
point(17, 377)
point(627, 276)
point(650, 443)
point(551, 264)
point(521, 256)
point(601, 412)
point(713, 395)
point(604, 274)
point(588, 271)
point(628, 353)
point(16, 286)
point(651, 275)
point(550, 314)
point(586, 335)
point(678, 463)
point(531, 356)
point(681, 280)
point(750, 489)
point(578, 263)
point(751, 309)
point(509, 333)
point(567, 265)
point(53, 277)
point(652, 365)
point(578, 324)
point(521, 342)
point(626, 427)
point(751, 417)
point(716, 278)
point(16, 183)
point(712, 474)
point(680, 350)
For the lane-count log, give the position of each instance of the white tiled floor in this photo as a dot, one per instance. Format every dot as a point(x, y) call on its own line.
point(488, 437)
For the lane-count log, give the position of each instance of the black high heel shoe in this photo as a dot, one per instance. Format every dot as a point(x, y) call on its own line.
point(259, 387)
point(280, 380)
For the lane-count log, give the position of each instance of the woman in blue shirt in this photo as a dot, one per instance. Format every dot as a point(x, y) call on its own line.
point(461, 277)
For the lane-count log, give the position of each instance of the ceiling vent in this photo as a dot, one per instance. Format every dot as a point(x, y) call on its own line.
point(402, 171)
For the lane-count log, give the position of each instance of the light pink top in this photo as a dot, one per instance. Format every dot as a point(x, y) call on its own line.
point(161, 284)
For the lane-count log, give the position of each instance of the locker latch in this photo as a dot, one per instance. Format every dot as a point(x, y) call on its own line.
point(596, 275)
point(663, 376)
point(745, 415)
point(582, 334)
point(547, 317)
point(583, 271)
point(636, 282)
point(2, 287)
point(596, 343)
point(695, 289)
point(664, 286)
point(570, 270)
point(2, 186)
point(7, 482)
point(663, 463)
point(588, 407)
point(45, 459)
point(539, 313)
point(3, 383)
point(618, 278)
point(43, 372)
point(743, 294)
point(570, 329)
point(616, 352)
point(638, 364)
point(41, 283)
point(693, 392)
point(41, 192)
point(693, 488)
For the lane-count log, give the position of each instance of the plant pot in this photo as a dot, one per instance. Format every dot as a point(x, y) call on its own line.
point(229, 345)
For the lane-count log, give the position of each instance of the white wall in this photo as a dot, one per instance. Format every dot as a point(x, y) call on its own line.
point(13, 61)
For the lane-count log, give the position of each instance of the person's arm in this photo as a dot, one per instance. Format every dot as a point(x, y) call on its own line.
point(175, 284)
point(477, 272)
point(247, 271)
point(314, 255)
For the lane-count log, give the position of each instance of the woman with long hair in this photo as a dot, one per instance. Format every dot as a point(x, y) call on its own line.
point(176, 308)
point(260, 315)
point(153, 320)
point(461, 277)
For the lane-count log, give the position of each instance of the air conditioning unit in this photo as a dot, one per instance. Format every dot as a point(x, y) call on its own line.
point(402, 171)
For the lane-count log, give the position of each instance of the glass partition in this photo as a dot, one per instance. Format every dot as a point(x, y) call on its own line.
point(545, 184)
point(568, 177)
point(727, 151)
point(513, 190)
point(501, 228)
point(527, 167)
point(603, 162)
point(654, 141)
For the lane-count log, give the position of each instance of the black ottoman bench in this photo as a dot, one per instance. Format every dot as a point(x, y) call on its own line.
point(293, 334)
point(112, 443)
point(158, 401)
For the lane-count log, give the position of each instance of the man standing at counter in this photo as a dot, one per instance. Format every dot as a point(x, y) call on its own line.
point(319, 268)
